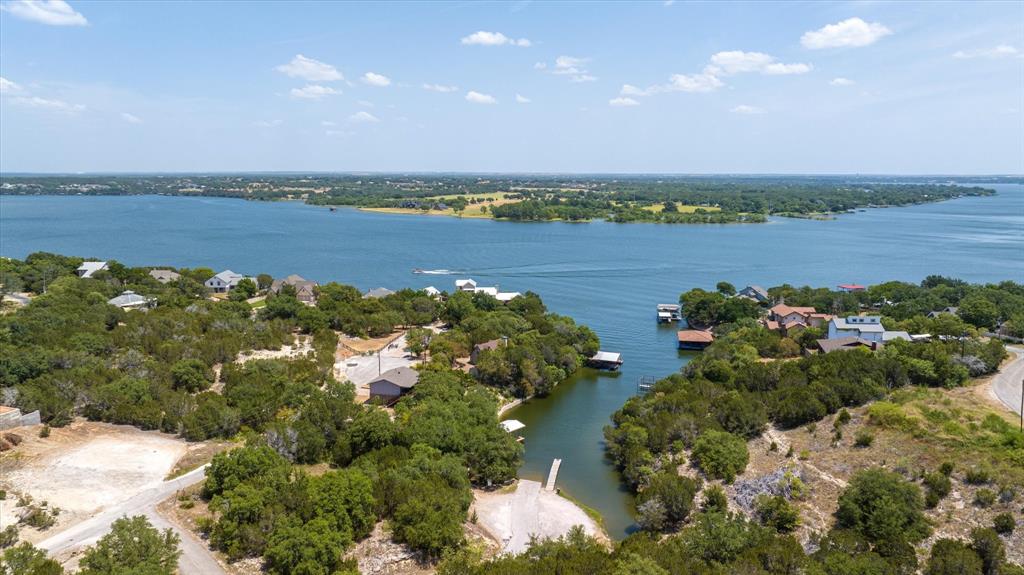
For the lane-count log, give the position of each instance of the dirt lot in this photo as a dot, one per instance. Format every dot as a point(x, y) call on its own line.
point(84, 468)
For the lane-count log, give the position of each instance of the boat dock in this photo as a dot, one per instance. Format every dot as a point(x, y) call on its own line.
point(550, 485)
point(669, 312)
point(606, 360)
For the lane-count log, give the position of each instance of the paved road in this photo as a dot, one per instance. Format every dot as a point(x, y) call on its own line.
point(195, 558)
point(524, 519)
point(1006, 385)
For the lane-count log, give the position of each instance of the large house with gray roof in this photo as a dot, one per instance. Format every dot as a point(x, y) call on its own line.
point(224, 282)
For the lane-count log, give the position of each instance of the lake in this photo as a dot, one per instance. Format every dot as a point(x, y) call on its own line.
point(608, 276)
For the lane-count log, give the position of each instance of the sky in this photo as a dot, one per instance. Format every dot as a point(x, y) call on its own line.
point(585, 87)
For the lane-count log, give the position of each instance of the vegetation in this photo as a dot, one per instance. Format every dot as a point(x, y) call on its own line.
point(132, 546)
point(535, 198)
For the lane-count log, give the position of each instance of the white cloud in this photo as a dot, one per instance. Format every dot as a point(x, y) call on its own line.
point(478, 98)
point(850, 33)
point(310, 70)
point(52, 12)
point(1000, 51)
point(623, 102)
point(841, 82)
point(483, 38)
point(8, 87)
point(737, 61)
point(45, 104)
point(267, 123)
point(571, 66)
point(328, 123)
point(374, 79)
point(440, 88)
point(131, 118)
point(313, 92)
point(702, 82)
point(365, 103)
point(522, 99)
point(630, 90)
point(748, 110)
point(339, 133)
point(363, 117)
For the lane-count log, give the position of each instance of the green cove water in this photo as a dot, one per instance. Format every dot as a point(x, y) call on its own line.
point(607, 276)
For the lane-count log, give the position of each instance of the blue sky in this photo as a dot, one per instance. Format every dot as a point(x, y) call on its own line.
point(676, 87)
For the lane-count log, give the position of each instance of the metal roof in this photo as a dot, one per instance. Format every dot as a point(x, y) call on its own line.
point(404, 377)
point(512, 425)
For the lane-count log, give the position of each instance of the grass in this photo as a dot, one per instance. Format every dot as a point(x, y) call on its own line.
point(683, 208)
point(472, 210)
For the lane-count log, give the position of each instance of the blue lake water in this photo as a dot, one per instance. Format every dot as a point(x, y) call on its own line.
point(608, 276)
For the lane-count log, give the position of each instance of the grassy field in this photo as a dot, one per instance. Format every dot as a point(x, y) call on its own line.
point(683, 208)
point(472, 210)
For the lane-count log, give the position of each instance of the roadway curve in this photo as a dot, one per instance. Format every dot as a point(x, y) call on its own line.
point(1006, 385)
point(195, 557)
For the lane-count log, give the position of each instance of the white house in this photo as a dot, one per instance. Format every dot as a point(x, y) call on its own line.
point(465, 285)
point(507, 296)
point(131, 300)
point(866, 327)
point(432, 291)
point(224, 282)
point(88, 268)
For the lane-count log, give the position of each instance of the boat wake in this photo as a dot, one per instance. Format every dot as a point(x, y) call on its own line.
point(435, 272)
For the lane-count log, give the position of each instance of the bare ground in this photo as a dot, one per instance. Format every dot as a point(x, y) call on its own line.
point(84, 468)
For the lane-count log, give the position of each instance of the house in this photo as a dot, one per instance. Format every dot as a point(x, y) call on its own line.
point(669, 312)
point(844, 343)
point(694, 339)
point(507, 296)
point(849, 288)
point(784, 314)
point(164, 276)
point(305, 290)
point(393, 383)
point(223, 282)
point(88, 268)
point(491, 291)
point(485, 346)
point(868, 327)
point(606, 360)
point(432, 291)
point(377, 293)
point(943, 311)
point(756, 293)
point(888, 336)
point(131, 300)
point(465, 285)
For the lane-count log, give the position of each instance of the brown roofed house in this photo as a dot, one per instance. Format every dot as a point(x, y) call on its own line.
point(843, 344)
point(487, 345)
point(305, 290)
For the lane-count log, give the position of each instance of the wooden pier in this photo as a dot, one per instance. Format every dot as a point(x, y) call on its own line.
point(550, 486)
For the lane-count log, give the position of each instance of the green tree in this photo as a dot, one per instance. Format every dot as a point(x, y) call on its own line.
point(720, 454)
point(951, 557)
point(133, 546)
point(191, 375)
point(978, 311)
point(725, 288)
point(25, 559)
point(883, 506)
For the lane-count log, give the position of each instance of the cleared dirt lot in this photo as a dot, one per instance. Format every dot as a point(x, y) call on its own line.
point(83, 469)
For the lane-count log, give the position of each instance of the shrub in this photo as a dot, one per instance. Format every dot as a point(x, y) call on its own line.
point(674, 493)
point(864, 439)
point(777, 513)
point(715, 500)
point(843, 418)
point(44, 432)
point(720, 454)
point(979, 475)
point(946, 468)
point(9, 536)
point(1004, 523)
point(938, 486)
point(881, 506)
point(984, 497)
point(951, 557)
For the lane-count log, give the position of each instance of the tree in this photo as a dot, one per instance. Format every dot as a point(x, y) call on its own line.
point(133, 546)
point(978, 311)
point(725, 288)
point(987, 544)
point(264, 281)
point(418, 340)
point(883, 506)
point(25, 559)
point(777, 513)
point(191, 375)
point(720, 454)
point(313, 548)
point(673, 493)
point(951, 557)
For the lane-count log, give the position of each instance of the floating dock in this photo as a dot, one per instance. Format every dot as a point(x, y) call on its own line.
point(669, 312)
point(606, 360)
